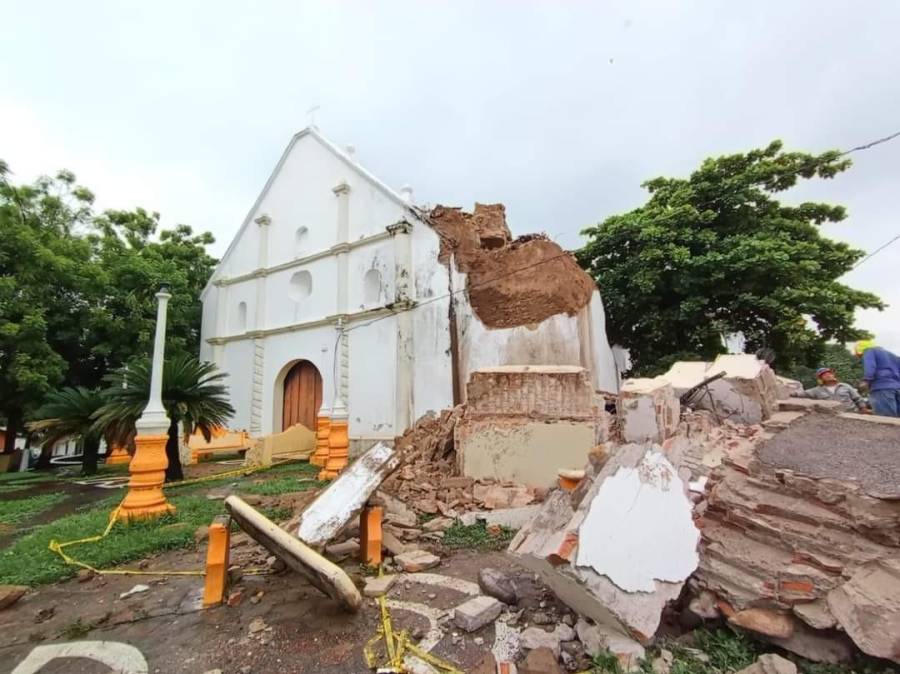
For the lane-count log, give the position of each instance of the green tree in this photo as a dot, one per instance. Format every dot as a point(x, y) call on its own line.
point(77, 290)
point(44, 269)
point(71, 412)
point(717, 253)
point(193, 395)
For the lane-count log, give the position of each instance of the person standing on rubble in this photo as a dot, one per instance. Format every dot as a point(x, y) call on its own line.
point(881, 370)
point(830, 388)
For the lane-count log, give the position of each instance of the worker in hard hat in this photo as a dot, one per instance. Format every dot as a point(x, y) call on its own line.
point(881, 370)
point(830, 388)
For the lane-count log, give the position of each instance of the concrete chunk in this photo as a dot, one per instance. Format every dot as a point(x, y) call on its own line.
point(648, 410)
point(476, 613)
point(416, 560)
point(623, 584)
point(378, 585)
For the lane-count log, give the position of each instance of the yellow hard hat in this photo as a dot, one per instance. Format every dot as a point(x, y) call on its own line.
point(862, 345)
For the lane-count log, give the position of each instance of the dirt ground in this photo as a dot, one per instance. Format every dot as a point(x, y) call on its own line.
point(305, 631)
point(826, 446)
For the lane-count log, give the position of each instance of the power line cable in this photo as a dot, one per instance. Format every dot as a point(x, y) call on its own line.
point(876, 251)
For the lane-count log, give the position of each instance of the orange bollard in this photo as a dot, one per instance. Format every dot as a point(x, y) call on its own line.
point(216, 581)
point(145, 498)
point(117, 455)
point(370, 535)
point(338, 449)
point(323, 426)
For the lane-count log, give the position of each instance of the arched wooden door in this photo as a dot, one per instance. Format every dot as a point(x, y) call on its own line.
point(302, 396)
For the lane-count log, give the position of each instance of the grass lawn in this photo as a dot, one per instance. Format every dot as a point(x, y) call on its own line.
point(13, 511)
point(477, 537)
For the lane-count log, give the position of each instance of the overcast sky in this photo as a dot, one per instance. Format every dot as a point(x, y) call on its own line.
point(558, 110)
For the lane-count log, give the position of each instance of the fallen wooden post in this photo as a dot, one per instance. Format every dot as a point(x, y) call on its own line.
point(324, 575)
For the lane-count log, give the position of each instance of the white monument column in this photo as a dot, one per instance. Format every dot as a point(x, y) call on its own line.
point(145, 498)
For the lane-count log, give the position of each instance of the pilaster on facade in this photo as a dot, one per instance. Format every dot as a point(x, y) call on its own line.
point(256, 388)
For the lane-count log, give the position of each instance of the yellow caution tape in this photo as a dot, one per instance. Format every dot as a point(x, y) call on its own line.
point(396, 645)
point(57, 547)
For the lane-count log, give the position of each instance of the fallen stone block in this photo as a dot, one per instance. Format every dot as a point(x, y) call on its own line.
point(438, 524)
point(378, 585)
point(768, 622)
point(598, 639)
point(619, 547)
point(533, 638)
point(326, 576)
point(647, 410)
point(770, 664)
point(10, 594)
point(513, 518)
point(344, 549)
point(416, 560)
point(476, 613)
point(344, 498)
point(868, 608)
point(497, 584)
point(541, 661)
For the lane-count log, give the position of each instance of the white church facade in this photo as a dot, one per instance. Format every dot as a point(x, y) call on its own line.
point(333, 288)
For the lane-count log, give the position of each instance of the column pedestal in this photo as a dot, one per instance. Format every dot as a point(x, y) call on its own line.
point(145, 498)
point(323, 428)
point(338, 450)
point(117, 455)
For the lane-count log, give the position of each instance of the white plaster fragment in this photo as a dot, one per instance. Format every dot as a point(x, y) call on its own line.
point(346, 496)
point(120, 658)
point(639, 527)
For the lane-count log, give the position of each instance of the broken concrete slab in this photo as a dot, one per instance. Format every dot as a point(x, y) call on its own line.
point(748, 392)
point(634, 506)
point(476, 613)
point(768, 622)
point(344, 498)
point(647, 410)
point(533, 638)
point(562, 545)
point(809, 405)
point(323, 574)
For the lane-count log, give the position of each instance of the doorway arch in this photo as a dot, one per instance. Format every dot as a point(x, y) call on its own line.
point(302, 395)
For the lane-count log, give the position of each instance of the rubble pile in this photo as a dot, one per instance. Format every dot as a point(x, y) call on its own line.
point(427, 494)
point(619, 547)
point(801, 538)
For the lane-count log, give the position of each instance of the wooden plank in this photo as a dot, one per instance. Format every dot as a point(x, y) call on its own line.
point(323, 574)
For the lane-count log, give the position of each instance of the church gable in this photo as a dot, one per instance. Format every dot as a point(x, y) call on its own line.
point(301, 204)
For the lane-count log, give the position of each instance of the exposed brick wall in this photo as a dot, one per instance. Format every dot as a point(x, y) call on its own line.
point(539, 392)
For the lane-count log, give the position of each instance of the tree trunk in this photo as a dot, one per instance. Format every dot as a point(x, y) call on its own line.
point(173, 470)
point(13, 421)
point(43, 462)
point(91, 448)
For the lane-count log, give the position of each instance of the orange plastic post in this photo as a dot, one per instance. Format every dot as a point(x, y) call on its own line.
point(338, 449)
point(370, 535)
point(117, 455)
point(145, 498)
point(216, 581)
point(320, 456)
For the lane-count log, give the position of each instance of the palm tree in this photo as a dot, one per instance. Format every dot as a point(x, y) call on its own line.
point(70, 412)
point(192, 392)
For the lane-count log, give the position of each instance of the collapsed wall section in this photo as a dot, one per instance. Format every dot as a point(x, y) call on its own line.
point(526, 301)
point(525, 423)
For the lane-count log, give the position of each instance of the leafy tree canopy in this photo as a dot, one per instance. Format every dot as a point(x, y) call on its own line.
point(77, 290)
point(717, 253)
